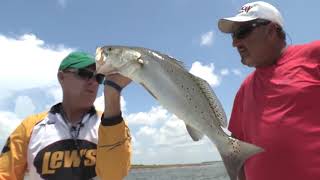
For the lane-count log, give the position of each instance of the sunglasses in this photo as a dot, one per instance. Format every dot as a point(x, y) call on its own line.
point(86, 74)
point(244, 30)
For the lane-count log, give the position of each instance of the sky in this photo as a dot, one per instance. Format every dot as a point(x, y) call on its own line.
point(36, 35)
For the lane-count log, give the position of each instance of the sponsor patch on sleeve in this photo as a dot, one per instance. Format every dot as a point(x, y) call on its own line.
point(6, 147)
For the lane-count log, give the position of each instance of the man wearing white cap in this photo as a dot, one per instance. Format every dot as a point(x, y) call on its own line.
point(276, 106)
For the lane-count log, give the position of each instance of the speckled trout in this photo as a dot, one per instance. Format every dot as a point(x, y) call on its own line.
point(189, 97)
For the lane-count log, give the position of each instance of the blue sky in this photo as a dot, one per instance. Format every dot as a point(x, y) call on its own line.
point(35, 35)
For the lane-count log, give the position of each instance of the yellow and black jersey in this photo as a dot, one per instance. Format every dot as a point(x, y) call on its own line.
point(48, 147)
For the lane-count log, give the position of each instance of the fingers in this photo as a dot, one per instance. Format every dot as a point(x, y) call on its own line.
point(119, 79)
point(104, 69)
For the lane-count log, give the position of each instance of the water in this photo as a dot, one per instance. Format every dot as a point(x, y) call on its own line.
point(214, 171)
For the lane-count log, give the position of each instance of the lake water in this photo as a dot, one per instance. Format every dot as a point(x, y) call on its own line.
point(214, 171)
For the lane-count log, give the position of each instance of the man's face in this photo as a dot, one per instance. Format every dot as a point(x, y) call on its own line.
point(80, 85)
point(252, 42)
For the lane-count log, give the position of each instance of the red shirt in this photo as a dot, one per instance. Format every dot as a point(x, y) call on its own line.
point(278, 109)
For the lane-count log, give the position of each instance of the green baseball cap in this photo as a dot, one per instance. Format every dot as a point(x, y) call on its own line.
point(77, 60)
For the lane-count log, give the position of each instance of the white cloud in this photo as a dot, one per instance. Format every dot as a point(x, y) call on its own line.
point(24, 106)
point(146, 131)
point(54, 91)
point(168, 132)
point(8, 122)
point(207, 39)
point(173, 132)
point(205, 72)
point(163, 138)
point(28, 62)
point(99, 103)
point(146, 135)
point(224, 72)
point(237, 72)
point(154, 116)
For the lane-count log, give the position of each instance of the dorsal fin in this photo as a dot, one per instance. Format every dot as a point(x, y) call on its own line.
point(162, 56)
point(178, 63)
point(213, 100)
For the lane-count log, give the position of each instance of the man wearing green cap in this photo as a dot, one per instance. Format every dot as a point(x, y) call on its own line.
point(63, 142)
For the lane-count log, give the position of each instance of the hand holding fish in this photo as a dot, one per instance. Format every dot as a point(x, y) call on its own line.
point(120, 80)
point(104, 68)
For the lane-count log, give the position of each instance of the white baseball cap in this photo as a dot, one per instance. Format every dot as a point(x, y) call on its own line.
point(249, 12)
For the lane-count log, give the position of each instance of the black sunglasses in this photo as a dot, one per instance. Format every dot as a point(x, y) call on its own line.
point(86, 74)
point(244, 30)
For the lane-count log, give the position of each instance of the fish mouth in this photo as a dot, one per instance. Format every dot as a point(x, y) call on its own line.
point(100, 55)
point(102, 58)
point(112, 72)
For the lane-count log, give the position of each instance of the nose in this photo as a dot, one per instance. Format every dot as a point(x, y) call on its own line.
point(92, 80)
point(236, 42)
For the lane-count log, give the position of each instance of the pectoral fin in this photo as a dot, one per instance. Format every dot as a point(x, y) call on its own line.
point(149, 91)
point(194, 133)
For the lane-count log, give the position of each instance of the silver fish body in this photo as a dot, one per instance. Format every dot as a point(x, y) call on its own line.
point(189, 97)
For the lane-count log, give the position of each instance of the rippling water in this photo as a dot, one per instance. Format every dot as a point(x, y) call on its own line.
point(215, 171)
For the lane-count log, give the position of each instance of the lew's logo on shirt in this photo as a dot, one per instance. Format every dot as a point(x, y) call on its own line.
point(63, 160)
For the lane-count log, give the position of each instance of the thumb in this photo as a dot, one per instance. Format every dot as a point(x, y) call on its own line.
point(104, 68)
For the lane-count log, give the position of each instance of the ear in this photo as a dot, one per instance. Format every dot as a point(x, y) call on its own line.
point(273, 30)
point(60, 76)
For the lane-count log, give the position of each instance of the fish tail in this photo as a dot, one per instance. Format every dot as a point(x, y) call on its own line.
point(234, 153)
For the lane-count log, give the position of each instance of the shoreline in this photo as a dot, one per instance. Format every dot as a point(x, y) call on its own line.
point(154, 166)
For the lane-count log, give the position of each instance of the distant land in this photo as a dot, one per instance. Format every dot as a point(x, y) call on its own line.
point(143, 166)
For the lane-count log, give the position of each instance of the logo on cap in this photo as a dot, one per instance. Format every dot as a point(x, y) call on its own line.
point(245, 9)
